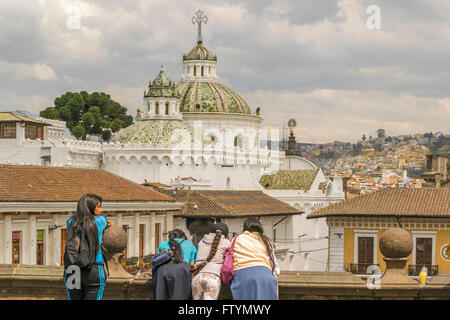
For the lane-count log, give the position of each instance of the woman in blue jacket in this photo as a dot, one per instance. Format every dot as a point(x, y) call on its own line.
point(92, 279)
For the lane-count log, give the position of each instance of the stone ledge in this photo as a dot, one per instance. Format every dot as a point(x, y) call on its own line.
point(42, 282)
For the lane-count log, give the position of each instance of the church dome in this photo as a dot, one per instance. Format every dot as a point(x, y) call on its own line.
point(199, 96)
point(200, 52)
point(161, 86)
point(156, 132)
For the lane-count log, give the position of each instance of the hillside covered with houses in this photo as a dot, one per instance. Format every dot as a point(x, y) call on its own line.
point(380, 162)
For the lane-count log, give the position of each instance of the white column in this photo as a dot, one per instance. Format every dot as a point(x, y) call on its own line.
point(336, 249)
point(55, 236)
point(147, 243)
point(146, 107)
point(7, 240)
point(20, 131)
point(151, 230)
point(26, 242)
point(172, 108)
point(135, 237)
point(32, 243)
point(162, 107)
point(199, 71)
point(168, 223)
point(2, 241)
point(151, 110)
point(119, 219)
point(47, 248)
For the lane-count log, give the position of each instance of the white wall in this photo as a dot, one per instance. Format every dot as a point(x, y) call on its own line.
point(297, 163)
point(307, 248)
point(336, 249)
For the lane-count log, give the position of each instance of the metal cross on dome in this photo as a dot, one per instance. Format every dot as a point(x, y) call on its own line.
point(199, 18)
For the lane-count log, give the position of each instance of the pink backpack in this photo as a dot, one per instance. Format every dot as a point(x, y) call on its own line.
point(227, 270)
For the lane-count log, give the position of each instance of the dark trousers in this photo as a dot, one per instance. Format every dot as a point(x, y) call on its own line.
point(172, 281)
point(92, 284)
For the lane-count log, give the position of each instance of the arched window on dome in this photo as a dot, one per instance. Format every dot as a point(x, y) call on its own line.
point(211, 138)
point(209, 70)
point(157, 108)
point(238, 141)
point(195, 71)
point(167, 108)
point(148, 107)
point(203, 72)
point(228, 183)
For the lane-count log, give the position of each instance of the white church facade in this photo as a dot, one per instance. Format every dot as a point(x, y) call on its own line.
point(198, 129)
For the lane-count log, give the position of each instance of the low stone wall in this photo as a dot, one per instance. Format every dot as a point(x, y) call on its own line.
point(39, 282)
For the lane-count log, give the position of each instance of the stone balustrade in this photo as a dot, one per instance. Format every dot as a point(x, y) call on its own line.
point(44, 282)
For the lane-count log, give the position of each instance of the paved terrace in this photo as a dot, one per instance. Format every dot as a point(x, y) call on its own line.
point(43, 282)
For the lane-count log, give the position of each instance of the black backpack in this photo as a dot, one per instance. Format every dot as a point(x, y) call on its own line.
point(161, 257)
point(80, 249)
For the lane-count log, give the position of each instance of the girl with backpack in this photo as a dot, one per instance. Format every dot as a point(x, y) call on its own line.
point(172, 279)
point(206, 280)
point(83, 250)
point(187, 247)
point(255, 264)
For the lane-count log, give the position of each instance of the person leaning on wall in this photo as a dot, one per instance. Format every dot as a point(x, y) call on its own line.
point(172, 279)
point(255, 264)
point(206, 281)
point(188, 249)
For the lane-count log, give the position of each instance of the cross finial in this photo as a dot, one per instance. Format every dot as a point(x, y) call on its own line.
point(199, 18)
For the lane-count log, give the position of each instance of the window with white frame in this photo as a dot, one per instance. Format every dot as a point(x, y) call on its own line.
point(365, 247)
point(424, 247)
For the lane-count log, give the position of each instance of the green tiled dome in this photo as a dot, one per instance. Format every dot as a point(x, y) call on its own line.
point(289, 180)
point(200, 52)
point(161, 86)
point(155, 132)
point(207, 94)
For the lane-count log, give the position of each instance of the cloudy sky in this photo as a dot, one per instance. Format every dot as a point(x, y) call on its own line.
point(315, 61)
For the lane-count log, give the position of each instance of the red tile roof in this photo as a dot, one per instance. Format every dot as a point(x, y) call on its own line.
point(227, 203)
point(154, 184)
point(37, 183)
point(204, 206)
point(423, 202)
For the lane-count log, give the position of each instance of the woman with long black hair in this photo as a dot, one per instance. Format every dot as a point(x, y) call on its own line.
point(89, 218)
point(172, 280)
point(187, 247)
point(255, 264)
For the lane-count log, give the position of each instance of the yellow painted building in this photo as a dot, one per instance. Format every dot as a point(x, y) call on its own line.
point(356, 225)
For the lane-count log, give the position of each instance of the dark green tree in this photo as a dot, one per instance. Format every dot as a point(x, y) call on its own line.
point(78, 131)
point(106, 135)
point(95, 113)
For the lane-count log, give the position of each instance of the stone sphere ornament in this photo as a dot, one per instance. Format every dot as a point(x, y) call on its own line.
point(396, 243)
point(114, 242)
